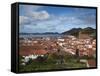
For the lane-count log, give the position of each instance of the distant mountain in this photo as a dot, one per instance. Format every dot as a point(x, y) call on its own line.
point(39, 33)
point(75, 31)
point(51, 33)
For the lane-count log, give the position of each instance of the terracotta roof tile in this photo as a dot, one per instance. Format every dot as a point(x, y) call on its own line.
point(36, 52)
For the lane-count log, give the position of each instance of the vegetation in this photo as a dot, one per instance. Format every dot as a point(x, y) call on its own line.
point(75, 31)
point(50, 63)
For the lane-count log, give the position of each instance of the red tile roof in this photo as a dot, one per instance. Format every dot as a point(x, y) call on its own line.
point(39, 52)
point(29, 52)
point(24, 53)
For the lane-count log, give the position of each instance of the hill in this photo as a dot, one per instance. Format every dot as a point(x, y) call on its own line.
point(75, 31)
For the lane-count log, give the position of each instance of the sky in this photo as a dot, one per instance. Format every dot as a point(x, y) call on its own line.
point(41, 19)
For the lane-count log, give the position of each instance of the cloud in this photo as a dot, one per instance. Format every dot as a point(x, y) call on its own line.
point(34, 11)
point(26, 9)
point(23, 20)
point(41, 15)
point(34, 17)
point(70, 20)
point(88, 19)
point(59, 24)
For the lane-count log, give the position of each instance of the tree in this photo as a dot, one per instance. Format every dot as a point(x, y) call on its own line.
point(77, 54)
